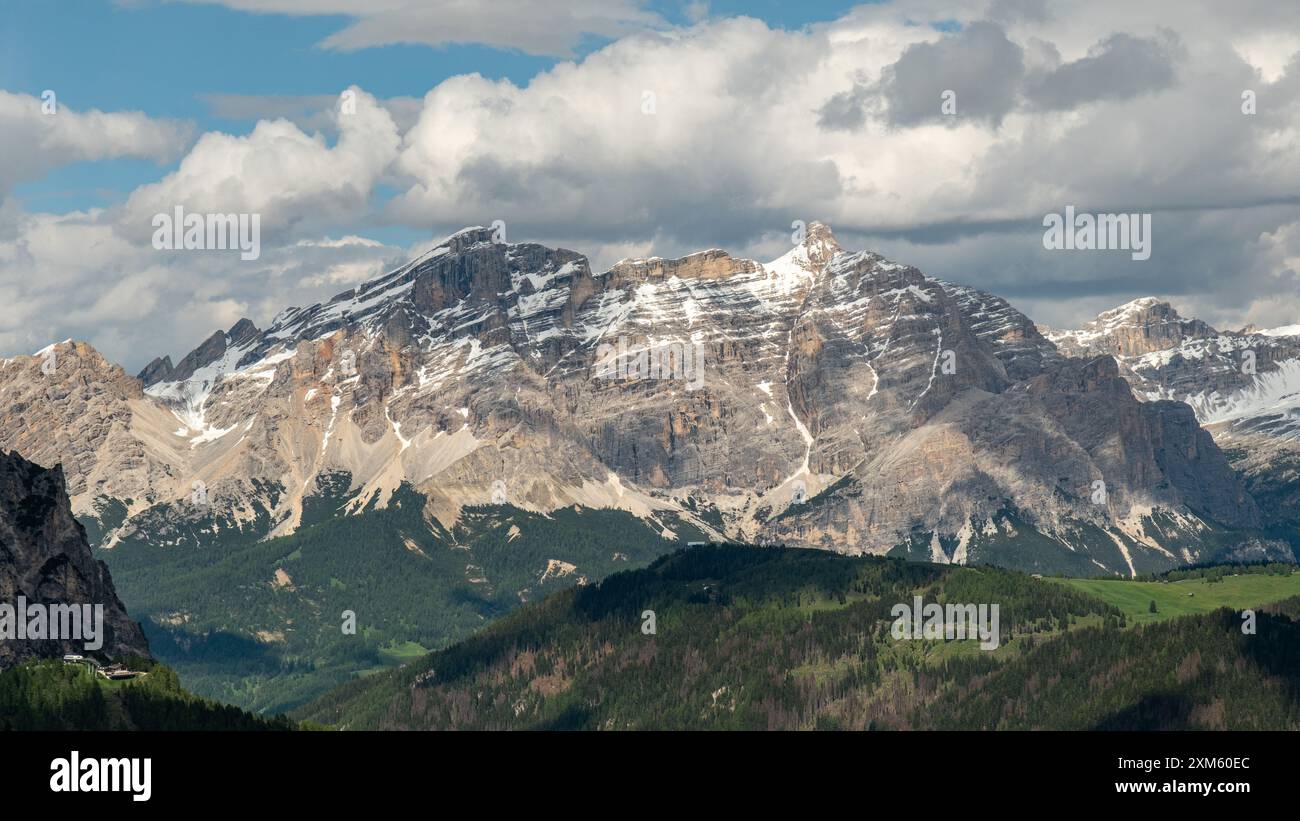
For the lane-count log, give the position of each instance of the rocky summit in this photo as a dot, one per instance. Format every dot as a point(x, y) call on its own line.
point(828, 398)
point(1243, 386)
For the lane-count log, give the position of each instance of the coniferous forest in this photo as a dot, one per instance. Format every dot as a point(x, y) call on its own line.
point(771, 638)
point(52, 695)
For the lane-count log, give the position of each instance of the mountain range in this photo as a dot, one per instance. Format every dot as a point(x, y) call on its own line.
point(464, 407)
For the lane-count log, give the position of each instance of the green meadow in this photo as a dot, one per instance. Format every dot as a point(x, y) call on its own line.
point(1188, 596)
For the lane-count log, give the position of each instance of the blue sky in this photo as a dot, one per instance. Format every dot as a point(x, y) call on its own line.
point(166, 58)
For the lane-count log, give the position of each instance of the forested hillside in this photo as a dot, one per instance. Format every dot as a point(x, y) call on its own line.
point(260, 623)
point(752, 638)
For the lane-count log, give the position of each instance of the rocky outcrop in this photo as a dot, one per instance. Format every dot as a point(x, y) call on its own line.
point(159, 369)
point(45, 560)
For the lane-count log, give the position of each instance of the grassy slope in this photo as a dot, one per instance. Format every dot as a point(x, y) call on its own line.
point(1172, 598)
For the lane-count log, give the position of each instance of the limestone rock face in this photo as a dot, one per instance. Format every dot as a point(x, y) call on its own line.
point(827, 398)
point(1243, 387)
point(1136, 328)
point(159, 369)
point(44, 558)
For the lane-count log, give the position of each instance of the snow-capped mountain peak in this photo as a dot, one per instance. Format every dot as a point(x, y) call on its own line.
point(1244, 386)
point(709, 391)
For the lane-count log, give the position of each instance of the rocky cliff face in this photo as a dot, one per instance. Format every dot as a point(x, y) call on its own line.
point(827, 398)
point(44, 558)
point(1134, 329)
point(1243, 386)
point(1238, 382)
